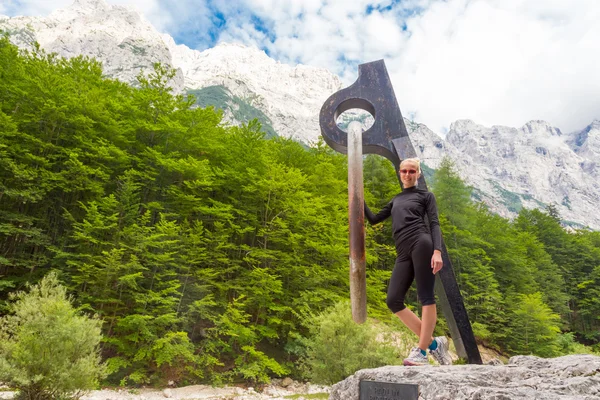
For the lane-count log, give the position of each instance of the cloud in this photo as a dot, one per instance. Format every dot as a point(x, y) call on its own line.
point(501, 62)
point(497, 62)
point(31, 7)
point(152, 10)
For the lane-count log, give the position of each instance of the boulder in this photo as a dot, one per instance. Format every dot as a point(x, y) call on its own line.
point(573, 377)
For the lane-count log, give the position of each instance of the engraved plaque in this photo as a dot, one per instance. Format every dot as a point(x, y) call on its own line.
point(372, 390)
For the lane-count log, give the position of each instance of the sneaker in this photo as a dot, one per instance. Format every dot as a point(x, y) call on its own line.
point(441, 354)
point(416, 357)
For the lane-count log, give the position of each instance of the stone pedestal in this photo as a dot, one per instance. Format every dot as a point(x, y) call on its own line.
point(575, 377)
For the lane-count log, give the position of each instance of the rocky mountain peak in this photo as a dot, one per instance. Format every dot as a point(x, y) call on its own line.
point(583, 139)
point(462, 125)
point(540, 127)
point(80, 9)
point(90, 6)
point(117, 36)
point(289, 96)
point(593, 129)
point(465, 130)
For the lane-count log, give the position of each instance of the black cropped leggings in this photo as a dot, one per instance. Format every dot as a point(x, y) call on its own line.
point(413, 261)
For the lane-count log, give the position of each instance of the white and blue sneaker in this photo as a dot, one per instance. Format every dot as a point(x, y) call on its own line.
point(441, 354)
point(416, 357)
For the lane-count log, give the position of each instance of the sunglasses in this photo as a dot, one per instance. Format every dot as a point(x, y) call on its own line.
point(408, 171)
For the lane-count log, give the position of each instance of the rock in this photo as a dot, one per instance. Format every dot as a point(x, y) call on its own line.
point(274, 392)
point(575, 377)
point(494, 361)
point(7, 395)
point(286, 382)
point(312, 389)
point(168, 393)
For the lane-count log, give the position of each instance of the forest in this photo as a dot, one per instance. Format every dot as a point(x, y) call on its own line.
point(208, 251)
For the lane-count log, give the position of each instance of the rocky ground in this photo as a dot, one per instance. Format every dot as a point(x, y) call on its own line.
point(279, 389)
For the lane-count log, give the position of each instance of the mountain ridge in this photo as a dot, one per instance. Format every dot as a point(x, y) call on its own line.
point(530, 166)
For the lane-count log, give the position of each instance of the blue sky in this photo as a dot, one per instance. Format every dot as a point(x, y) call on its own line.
point(501, 62)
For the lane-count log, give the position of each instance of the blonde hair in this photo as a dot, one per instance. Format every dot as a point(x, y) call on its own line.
point(415, 161)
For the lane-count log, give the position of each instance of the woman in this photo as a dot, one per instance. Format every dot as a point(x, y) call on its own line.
point(419, 256)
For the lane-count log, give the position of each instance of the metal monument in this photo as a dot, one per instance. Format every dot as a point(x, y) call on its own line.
point(388, 137)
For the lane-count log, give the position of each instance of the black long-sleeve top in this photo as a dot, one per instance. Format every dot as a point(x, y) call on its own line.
point(408, 210)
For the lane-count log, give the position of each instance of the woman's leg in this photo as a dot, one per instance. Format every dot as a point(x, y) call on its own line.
point(421, 257)
point(427, 326)
point(412, 321)
point(401, 279)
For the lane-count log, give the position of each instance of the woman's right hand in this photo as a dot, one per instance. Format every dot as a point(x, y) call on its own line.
point(436, 261)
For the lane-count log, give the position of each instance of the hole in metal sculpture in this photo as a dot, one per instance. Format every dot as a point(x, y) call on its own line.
point(359, 110)
point(355, 114)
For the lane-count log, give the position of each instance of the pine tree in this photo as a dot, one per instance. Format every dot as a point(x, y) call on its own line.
point(535, 327)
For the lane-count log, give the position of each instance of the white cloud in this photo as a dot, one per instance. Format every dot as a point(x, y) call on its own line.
point(499, 62)
point(493, 61)
point(153, 10)
point(503, 63)
point(31, 7)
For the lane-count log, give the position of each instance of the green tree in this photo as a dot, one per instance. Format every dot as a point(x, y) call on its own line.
point(575, 256)
point(452, 194)
point(47, 349)
point(534, 327)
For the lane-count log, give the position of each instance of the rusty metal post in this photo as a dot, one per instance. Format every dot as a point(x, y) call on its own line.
point(356, 217)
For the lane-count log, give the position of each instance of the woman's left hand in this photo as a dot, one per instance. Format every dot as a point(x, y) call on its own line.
point(436, 261)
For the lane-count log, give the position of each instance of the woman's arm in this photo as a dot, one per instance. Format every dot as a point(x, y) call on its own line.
point(380, 216)
point(434, 223)
point(436, 234)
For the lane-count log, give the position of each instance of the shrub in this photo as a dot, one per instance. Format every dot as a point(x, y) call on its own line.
point(47, 350)
point(567, 345)
point(338, 347)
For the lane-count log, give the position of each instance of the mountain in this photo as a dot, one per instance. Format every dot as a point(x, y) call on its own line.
point(290, 97)
point(532, 166)
point(509, 168)
point(119, 37)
